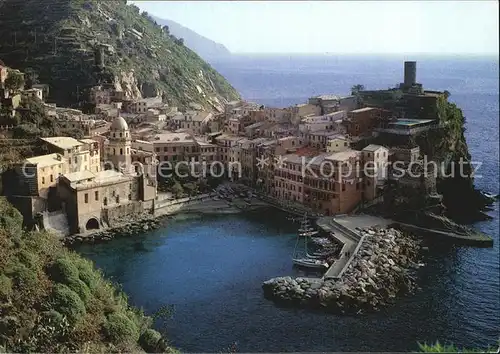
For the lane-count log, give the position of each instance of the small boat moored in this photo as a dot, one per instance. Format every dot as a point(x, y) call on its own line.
point(310, 263)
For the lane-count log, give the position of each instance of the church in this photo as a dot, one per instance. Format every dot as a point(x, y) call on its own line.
point(121, 189)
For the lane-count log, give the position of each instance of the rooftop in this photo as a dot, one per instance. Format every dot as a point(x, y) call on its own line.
point(373, 147)
point(366, 109)
point(108, 176)
point(343, 155)
point(173, 137)
point(45, 160)
point(228, 137)
point(411, 122)
point(63, 142)
point(328, 97)
point(79, 176)
point(338, 136)
point(88, 141)
point(255, 125)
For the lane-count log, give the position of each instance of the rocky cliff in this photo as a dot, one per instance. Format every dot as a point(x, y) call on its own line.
point(74, 44)
point(204, 47)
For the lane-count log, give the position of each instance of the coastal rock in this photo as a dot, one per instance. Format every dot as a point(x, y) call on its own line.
point(376, 274)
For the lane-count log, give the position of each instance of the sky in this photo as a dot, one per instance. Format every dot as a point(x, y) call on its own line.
point(382, 27)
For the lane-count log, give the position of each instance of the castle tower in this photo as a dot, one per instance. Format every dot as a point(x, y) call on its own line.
point(410, 73)
point(118, 149)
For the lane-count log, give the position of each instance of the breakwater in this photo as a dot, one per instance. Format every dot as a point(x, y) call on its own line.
point(381, 269)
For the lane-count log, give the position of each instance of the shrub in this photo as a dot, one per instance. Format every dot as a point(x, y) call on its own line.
point(10, 218)
point(29, 259)
point(63, 270)
point(53, 317)
point(81, 289)
point(67, 302)
point(88, 274)
point(152, 342)
point(120, 328)
point(24, 277)
point(5, 287)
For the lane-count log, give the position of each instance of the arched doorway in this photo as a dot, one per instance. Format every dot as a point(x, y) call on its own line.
point(92, 224)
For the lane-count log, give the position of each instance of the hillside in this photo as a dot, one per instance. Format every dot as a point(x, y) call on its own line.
point(52, 300)
point(58, 39)
point(203, 46)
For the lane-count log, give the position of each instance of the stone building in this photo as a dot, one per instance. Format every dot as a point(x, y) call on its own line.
point(118, 146)
point(327, 183)
point(375, 163)
point(361, 122)
point(95, 200)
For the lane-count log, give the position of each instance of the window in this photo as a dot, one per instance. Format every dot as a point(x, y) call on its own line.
point(105, 201)
point(43, 180)
point(130, 197)
point(121, 151)
point(165, 149)
point(96, 195)
point(51, 178)
point(75, 159)
point(86, 197)
point(343, 187)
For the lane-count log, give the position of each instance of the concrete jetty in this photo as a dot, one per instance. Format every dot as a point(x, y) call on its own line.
point(345, 229)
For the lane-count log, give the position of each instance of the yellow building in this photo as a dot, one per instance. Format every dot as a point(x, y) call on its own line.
point(338, 144)
point(80, 155)
point(41, 172)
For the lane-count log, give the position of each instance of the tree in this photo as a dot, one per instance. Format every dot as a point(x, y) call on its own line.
point(31, 77)
point(446, 94)
point(166, 29)
point(191, 188)
point(356, 89)
point(203, 185)
point(177, 189)
point(14, 81)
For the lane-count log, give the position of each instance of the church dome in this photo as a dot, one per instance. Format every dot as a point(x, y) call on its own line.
point(119, 124)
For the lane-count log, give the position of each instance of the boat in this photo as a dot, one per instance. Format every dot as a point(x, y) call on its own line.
point(301, 257)
point(490, 196)
point(310, 263)
point(308, 233)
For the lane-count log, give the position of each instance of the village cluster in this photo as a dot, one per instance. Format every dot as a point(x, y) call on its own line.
point(128, 145)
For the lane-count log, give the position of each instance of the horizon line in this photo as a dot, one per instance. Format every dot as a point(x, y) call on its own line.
point(497, 54)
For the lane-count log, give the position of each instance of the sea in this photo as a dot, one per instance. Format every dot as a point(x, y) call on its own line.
point(208, 270)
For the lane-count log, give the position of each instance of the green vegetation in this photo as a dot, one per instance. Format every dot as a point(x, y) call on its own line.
point(32, 121)
point(440, 348)
point(14, 81)
point(57, 41)
point(52, 300)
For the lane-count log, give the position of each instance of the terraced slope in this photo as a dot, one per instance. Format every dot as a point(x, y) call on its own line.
point(58, 39)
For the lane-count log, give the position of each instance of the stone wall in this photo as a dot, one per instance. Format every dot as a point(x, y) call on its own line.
point(114, 215)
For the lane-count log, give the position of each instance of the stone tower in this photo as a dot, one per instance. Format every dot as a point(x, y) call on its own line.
point(118, 150)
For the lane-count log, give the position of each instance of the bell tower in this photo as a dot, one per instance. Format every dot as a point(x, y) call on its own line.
point(118, 149)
